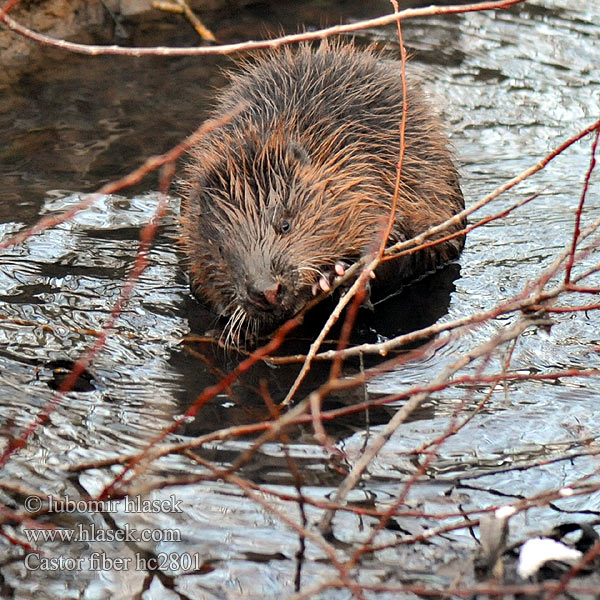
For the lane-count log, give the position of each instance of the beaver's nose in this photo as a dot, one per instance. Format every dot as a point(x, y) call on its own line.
point(265, 294)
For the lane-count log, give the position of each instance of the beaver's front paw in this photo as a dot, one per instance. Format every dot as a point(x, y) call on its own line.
point(339, 270)
point(328, 277)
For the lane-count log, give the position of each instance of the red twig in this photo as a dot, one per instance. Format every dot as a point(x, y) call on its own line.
point(361, 291)
point(570, 309)
point(17, 542)
point(577, 229)
point(257, 45)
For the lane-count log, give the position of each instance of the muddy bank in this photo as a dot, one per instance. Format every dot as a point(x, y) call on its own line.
point(85, 21)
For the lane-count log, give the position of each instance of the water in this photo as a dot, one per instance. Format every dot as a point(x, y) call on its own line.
point(511, 85)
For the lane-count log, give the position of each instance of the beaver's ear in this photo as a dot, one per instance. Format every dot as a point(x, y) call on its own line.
point(296, 154)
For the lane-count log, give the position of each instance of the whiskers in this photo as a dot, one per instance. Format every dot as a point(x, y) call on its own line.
point(239, 328)
point(311, 269)
point(232, 330)
point(319, 272)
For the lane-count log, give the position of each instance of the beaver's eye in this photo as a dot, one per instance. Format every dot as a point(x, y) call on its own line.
point(285, 226)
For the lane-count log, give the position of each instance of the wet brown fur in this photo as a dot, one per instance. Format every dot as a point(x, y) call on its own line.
point(315, 146)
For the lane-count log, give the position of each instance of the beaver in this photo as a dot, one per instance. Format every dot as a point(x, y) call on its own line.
point(298, 184)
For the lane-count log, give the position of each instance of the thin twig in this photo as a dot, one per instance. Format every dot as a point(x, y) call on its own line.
point(255, 45)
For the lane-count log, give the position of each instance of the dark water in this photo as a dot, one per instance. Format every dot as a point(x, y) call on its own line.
point(511, 86)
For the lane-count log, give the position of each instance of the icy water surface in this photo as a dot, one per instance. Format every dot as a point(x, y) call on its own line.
point(511, 85)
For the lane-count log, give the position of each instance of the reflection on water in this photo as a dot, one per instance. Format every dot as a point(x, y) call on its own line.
point(511, 85)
